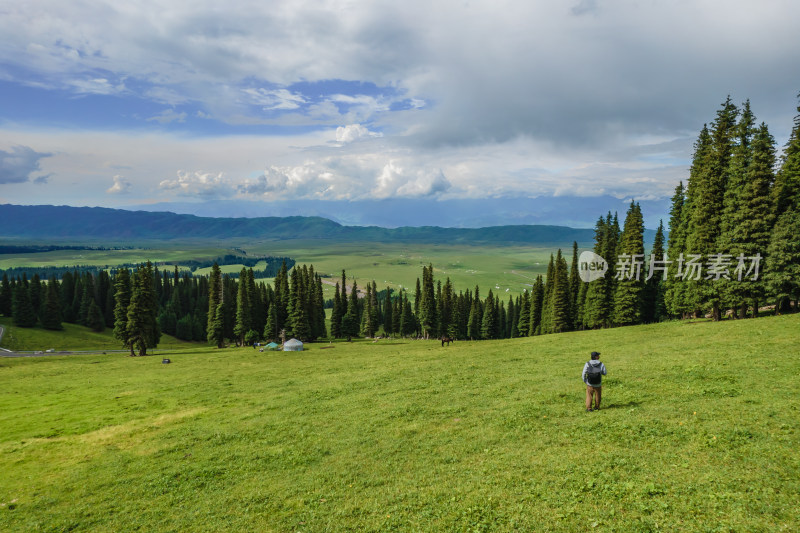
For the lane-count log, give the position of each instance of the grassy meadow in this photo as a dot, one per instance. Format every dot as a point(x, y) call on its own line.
point(72, 337)
point(503, 269)
point(699, 431)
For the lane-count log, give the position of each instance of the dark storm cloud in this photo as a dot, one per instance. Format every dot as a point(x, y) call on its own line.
point(17, 165)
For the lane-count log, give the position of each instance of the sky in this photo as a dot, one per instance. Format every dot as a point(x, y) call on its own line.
point(248, 108)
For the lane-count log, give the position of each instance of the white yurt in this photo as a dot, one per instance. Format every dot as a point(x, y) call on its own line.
point(293, 345)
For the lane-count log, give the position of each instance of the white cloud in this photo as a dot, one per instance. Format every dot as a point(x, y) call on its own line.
point(275, 98)
point(354, 132)
point(121, 186)
point(526, 98)
point(201, 184)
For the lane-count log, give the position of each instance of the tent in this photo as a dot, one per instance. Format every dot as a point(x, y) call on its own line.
point(272, 347)
point(293, 345)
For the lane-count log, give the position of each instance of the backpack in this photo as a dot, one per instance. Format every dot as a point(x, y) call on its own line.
point(593, 378)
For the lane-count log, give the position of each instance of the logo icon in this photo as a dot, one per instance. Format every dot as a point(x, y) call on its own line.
point(591, 266)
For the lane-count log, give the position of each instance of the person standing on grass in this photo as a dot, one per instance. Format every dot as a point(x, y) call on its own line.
point(593, 372)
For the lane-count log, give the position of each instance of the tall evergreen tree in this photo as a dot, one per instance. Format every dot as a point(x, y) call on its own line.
point(142, 326)
point(298, 325)
point(243, 310)
point(36, 294)
point(427, 306)
point(5, 296)
point(595, 313)
point(474, 322)
point(86, 299)
point(350, 322)
point(574, 288)
point(388, 313)
point(560, 299)
point(51, 308)
point(122, 297)
point(24, 314)
point(94, 318)
point(524, 320)
point(271, 327)
point(489, 323)
point(752, 222)
point(782, 269)
point(546, 325)
point(537, 302)
point(214, 299)
point(319, 306)
point(628, 296)
point(707, 203)
point(336, 314)
point(653, 309)
point(673, 296)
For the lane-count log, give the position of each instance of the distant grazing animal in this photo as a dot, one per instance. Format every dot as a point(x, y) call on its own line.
point(447, 340)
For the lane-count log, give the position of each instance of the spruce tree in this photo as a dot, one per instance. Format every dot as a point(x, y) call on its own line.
point(474, 322)
point(5, 296)
point(511, 319)
point(94, 318)
point(782, 269)
point(653, 309)
point(350, 322)
point(427, 306)
point(319, 306)
point(546, 325)
point(628, 295)
point(271, 327)
point(36, 293)
point(595, 312)
point(523, 322)
point(24, 314)
point(489, 323)
point(336, 314)
point(297, 324)
point(122, 298)
point(574, 288)
point(214, 299)
point(142, 326)
point(388, 316)
point(782, 276)
point(51, 308)
point(216, 327)
point(108, 312)
point(537, 302)
point(673, 296)
point(86, 299)
point(67, 293)
point(560, 300)
point(707, 204)
point(752, 222)
point(367, 327)
point(243, 310)
point(397, 314)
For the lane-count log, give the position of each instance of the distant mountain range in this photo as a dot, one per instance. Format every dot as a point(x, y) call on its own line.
point(47, 223)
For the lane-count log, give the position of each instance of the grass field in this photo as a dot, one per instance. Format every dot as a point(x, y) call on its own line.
point(699, 432)
point(503, 269)
point(72, 337)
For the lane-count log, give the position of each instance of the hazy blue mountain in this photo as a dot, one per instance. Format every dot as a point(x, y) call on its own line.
point(571, 211)
point(45, 222)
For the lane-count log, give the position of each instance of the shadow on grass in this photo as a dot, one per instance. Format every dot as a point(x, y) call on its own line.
point(620, 405)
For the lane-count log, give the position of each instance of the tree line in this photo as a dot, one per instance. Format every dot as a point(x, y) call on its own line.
point(739, 201)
